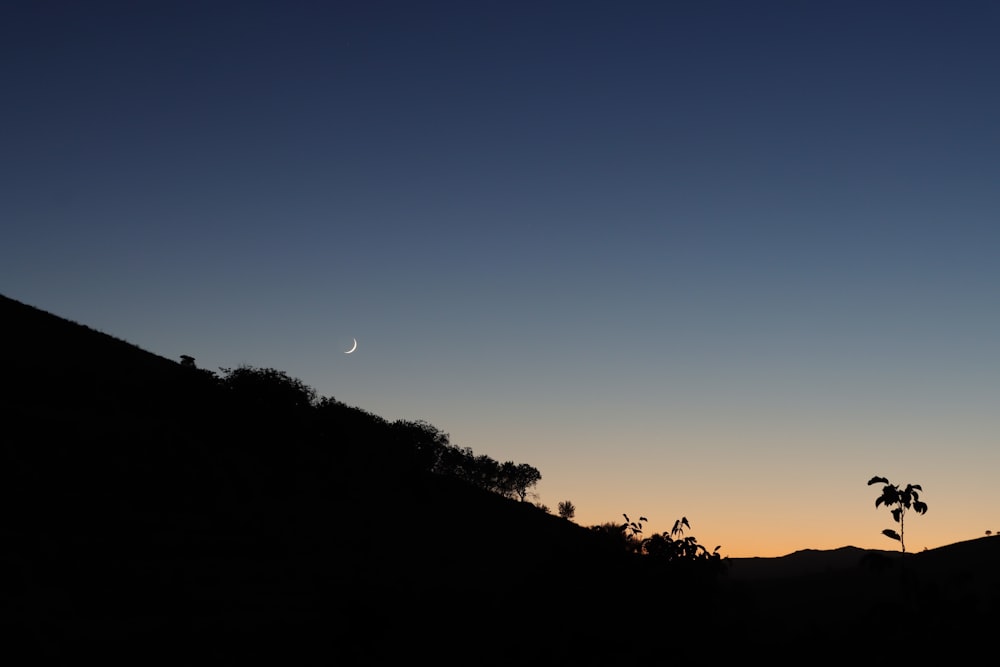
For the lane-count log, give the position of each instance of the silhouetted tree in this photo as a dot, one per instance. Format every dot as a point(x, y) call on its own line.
point(421, 443)
point(899, 501)
point(567, 510)
point(524, 478)
point(268, 388)
point(428, 448)
point(505, 479)
point(457, 462)
point(484, 472)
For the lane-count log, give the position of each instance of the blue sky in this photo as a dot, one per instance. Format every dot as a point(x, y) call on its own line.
point(725, 260)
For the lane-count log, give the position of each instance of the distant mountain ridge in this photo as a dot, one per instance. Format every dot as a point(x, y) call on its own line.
point(978, 552)
point(805, 561)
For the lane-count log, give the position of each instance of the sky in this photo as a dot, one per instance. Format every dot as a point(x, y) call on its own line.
point(725, 260)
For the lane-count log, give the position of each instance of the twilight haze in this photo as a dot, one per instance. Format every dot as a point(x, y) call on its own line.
point(725, 260)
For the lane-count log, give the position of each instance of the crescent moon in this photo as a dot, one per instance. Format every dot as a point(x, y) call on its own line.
point(354, 347)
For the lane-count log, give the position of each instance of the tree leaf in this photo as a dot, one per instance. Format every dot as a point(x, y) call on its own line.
point(920, 507)
point(876, 480)
point(893, 534)
point(896, 514)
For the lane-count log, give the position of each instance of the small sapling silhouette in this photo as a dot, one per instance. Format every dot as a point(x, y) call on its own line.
point(632, 531)
point(898, 501)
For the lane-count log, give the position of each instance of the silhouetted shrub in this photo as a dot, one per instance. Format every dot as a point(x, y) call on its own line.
point(267, 388)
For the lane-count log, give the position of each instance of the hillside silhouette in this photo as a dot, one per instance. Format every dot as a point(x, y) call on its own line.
point(157, 510)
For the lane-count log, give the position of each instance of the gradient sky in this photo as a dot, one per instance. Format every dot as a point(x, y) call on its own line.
point(725, 260)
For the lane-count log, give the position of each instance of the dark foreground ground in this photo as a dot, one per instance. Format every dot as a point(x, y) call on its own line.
point(149, 518)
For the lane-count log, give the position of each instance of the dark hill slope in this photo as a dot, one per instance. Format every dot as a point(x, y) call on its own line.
point(148, 510)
